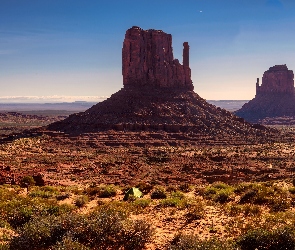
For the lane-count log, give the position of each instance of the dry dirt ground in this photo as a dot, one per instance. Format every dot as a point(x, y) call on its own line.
point(65, 160)
point(100, 159)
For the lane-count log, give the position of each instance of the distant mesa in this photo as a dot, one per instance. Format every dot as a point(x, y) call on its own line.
point(157, 96)
point(274, 98)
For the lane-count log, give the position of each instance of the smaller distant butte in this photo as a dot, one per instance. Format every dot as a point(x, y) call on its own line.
point(274, 98)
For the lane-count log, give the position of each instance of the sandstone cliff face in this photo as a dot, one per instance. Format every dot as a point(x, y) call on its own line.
point(147, 59)
point(274, 98)
point(277, 80)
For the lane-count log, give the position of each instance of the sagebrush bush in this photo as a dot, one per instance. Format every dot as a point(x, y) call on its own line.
point(159, 193)
point(107, 191)
point(102, 229)
point(192, 242)
point(141, 203)
point(68, 243)
point(27, 182)
point(279, 239)
point(196, 211)
point(219, 192)
point(81, 201)
point(42, 232)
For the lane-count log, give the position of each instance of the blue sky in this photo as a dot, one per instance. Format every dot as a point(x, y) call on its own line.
point(71, 49)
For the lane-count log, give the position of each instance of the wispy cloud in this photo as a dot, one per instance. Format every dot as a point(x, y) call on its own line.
point(50, 99)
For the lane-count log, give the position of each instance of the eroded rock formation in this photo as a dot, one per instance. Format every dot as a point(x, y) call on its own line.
point(158, 96)
point(274, 98)
point(147, 59)
point(277, 80)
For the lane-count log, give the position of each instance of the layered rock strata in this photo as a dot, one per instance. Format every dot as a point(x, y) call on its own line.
point(274, 98)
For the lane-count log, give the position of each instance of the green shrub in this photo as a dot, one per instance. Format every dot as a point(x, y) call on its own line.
point(141, 203)
point(171, 202)
point(248, 196)
point(63, 196)
point(81, 201)
point(68, 243)
point(192, 242)
point(176, 199)
point(279, 239)
point(178, 195)
point(27, 182)
point(251, 210)
point(279, 204)
point(159, 193)
point(19, 216)
point(44, 192)
point(185, 187)
point(41, 194)
point(107, 191)
point(219, 192)
point(196, 211)
point(110, 229)
point(136, 234)
point(43, 232)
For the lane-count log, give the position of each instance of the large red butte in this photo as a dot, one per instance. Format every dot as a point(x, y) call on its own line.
point(147, 59)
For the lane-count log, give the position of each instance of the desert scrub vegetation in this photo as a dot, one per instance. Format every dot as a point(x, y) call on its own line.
point(254, 215)
point(192, 242)
point(159, 193)
point(218, 192)
point(102, 191)
point(102, 229)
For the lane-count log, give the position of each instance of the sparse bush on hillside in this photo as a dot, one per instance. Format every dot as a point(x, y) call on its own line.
point(196, 211)
point(68, 243)
point(103, 229)
point(81, 201)
point(279, 239)
point(141, 203)
point(219, 192)
point(159, 193)
point(176, 199)
point(192, 242)
point(102, 191)
point(27, 182)
point(185, 187)
point(107, 191)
